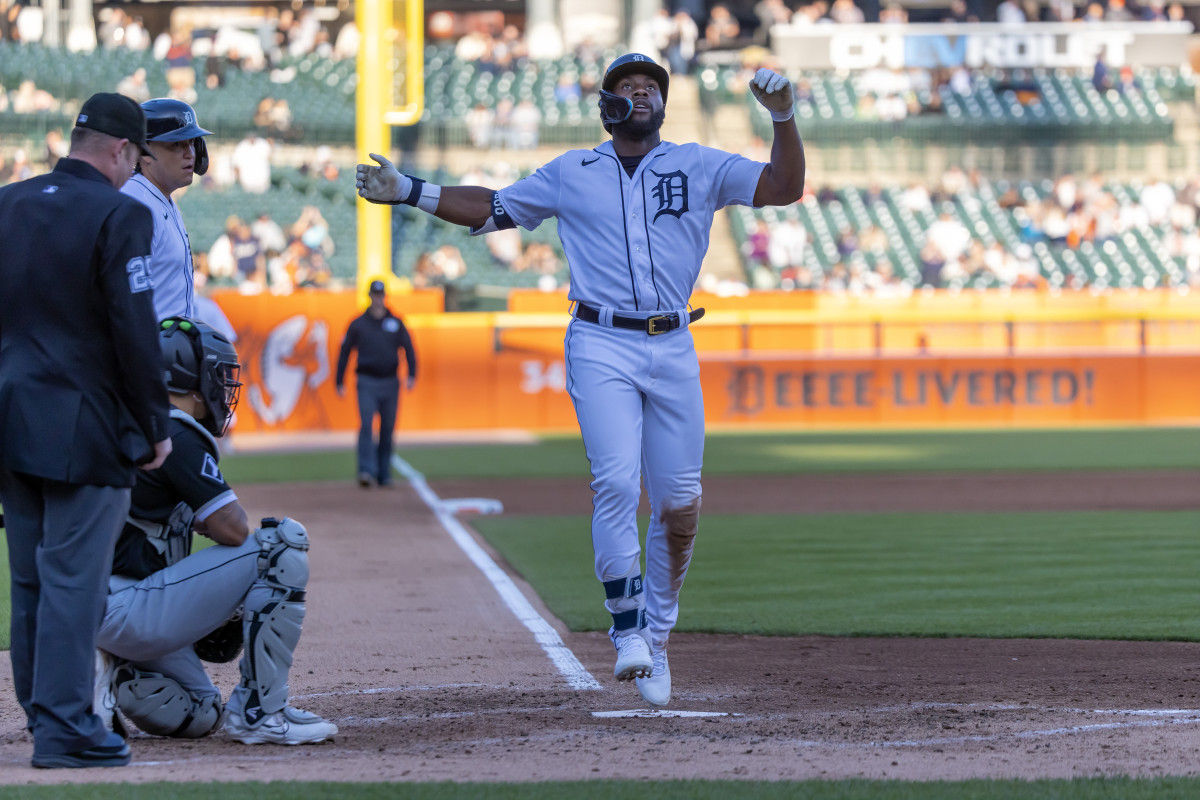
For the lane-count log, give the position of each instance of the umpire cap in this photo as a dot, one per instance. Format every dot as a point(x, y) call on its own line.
point(171, 120)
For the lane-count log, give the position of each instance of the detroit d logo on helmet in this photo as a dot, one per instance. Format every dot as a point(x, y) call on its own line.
point(671, 192)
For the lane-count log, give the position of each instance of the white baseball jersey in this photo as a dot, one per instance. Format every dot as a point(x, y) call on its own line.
point(171, 253)
point(634, 244)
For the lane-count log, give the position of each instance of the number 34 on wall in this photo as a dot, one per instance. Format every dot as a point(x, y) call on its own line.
point(538, 376)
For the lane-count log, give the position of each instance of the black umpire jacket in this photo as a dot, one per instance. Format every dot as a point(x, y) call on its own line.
point(379, 342)
point(82, 390)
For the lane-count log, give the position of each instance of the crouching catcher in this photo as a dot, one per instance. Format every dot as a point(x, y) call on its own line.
point(170, 609)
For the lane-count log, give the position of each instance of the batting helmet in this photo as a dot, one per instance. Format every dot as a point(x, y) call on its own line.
point(170, 120)
point(613, 107)
point(200, 359)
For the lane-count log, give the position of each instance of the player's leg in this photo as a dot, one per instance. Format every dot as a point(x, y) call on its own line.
point(673, 453)
point(258, 711)
point(366, 423)
point(389, 404)
point(608, 406)
point(178, 605)
point(169, 696)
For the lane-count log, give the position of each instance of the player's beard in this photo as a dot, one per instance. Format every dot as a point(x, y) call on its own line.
point(640, 130)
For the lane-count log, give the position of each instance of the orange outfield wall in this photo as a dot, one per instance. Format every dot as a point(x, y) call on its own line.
point(488, 370)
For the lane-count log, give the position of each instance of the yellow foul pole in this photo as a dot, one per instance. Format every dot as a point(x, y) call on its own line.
point(386, 38)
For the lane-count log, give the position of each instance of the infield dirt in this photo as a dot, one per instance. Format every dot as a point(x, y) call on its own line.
point(429, 675)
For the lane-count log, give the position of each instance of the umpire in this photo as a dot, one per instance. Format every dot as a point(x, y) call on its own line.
point(378, 335)
point(82, 401)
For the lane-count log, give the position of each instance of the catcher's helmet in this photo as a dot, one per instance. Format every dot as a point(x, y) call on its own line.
point(200, 359)
point(171, 120)
point(615, 108)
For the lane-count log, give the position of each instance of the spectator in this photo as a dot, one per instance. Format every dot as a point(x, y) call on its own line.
point(480, 121)
point(958, 12)
point(681, 44)
point(221, 263)
point(181, 76)
point(20, 169)
point(29, 99)
point(769, 13)
point(9, 30)
point(525, 124)
point(948, 235)
point(137, 38)
point(1009, 12)
point(846, 12)
point(56, 148)
point(722, 30)
point(134, 86)
point(789, 240)
point(567, 90)
point(249, 258)
point(112, 28)
point(893, 13)
point(252, 163)
point(758, 245)
point(1117, 12)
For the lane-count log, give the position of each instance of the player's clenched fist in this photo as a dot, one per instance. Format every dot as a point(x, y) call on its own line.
point(774, 92)
point(381, 184)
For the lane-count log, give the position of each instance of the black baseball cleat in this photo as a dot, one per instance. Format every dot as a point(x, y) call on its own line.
point(112, 752)
point(366, 480)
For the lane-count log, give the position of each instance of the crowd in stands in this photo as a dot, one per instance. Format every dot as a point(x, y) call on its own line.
point(1065, 214)
point(262, 256)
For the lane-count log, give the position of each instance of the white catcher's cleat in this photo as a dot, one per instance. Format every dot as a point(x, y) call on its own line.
point(656, 689)
point(289, 726)
point(104, 697)
point(633, 657)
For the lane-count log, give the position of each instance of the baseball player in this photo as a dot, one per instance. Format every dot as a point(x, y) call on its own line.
point(634, 216)
point(167, 609)
point(180, 154)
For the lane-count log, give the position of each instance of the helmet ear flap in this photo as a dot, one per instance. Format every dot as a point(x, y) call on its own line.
point(201, 165)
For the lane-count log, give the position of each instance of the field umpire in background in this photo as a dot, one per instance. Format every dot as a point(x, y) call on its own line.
point(378, 335)
point(82, 401)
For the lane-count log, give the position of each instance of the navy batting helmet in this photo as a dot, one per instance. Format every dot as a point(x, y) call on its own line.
point(200, 359)
point(171, 120)
point(613, 107)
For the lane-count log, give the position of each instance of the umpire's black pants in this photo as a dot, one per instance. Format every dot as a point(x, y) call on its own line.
point(377, 396)
point(60, 550)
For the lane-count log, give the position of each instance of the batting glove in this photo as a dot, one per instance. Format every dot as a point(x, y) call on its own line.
point(382, 184)
point(774, 92)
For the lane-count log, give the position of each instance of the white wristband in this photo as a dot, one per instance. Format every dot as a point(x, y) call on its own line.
point(783, 116)
point(431, 193)
point(423, 195)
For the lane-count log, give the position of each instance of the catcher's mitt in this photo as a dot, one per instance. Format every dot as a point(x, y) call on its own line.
point(222, 645)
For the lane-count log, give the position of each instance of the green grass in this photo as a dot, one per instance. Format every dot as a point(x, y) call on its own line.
point(787, 452)
point(1108, 575)
point(1077, 789)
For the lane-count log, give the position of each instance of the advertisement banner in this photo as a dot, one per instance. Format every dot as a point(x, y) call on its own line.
point(496, 371)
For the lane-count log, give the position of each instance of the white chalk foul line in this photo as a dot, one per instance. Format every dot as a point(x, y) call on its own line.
point(659, 713)
point(560, 655)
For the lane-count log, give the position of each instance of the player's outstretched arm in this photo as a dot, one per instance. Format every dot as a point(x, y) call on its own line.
point(461, 205)
point(782, 181)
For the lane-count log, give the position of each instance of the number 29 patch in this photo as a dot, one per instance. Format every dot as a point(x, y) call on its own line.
point(139, 274)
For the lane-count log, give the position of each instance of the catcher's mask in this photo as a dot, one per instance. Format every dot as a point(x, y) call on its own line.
point(200, 359)
point(171, 120)
point(615, 109)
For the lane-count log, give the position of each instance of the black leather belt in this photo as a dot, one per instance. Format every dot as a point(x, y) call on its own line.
point(653, 326)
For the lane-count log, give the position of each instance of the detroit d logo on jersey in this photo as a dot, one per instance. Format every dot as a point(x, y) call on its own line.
point(671, 192)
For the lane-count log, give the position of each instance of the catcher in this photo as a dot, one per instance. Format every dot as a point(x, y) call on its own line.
point(168, 609)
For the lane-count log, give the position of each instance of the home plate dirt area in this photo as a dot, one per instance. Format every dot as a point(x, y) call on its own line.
point(430, 675)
